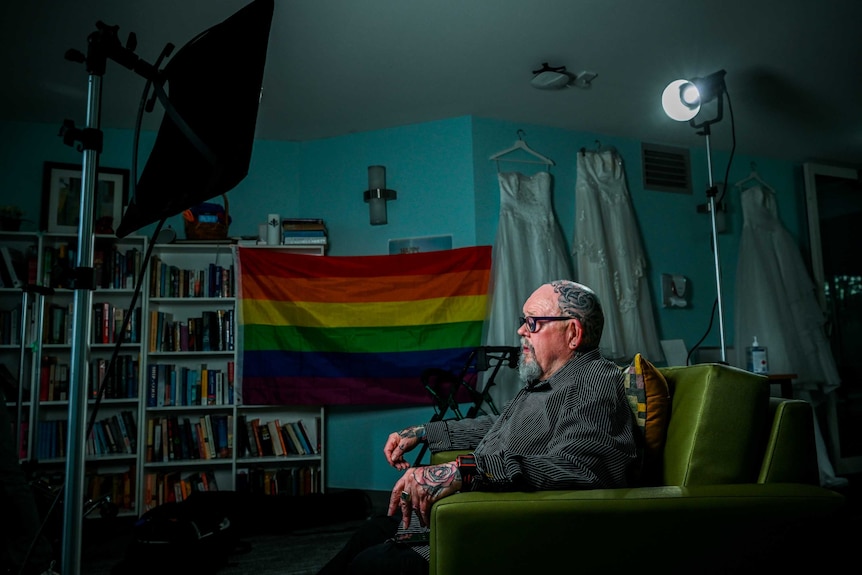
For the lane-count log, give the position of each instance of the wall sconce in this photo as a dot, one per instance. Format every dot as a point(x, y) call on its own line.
point(377, 195)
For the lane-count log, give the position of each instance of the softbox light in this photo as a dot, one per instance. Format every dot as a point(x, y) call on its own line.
point(204, 143)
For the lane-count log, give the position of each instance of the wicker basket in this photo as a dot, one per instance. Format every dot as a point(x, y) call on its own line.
point(196, 230)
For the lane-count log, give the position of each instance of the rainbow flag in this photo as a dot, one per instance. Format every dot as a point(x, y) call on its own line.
point(356, 330)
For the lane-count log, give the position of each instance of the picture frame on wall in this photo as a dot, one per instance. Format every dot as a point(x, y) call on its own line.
point(420, 244)
point(61, 198)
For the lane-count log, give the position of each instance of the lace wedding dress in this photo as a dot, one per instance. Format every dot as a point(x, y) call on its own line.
point(609, 257)
point(529, 250)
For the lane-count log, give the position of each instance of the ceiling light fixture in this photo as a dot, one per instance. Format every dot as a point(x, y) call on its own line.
point(551, 78)
point(556, 78)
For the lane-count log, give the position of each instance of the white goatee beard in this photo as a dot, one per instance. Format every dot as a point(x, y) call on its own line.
point(531, 371)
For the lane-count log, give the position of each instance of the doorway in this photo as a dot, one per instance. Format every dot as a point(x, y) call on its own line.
point(834, 205)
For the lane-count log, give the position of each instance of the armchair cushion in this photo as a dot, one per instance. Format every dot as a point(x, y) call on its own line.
point(649, 397)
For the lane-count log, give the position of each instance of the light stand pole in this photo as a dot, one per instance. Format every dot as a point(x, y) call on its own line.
point(682, 100)
point(710, 193)
point(102, 45)
point(76, 442)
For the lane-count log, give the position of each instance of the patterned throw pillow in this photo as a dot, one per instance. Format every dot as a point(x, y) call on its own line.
point(649, 398)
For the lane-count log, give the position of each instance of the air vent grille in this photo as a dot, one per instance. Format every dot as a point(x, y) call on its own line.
point(666, 169)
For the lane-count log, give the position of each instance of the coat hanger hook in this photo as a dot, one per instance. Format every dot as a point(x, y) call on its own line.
point(521, 134)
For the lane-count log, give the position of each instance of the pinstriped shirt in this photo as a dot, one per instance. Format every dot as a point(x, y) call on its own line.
point(573, 430)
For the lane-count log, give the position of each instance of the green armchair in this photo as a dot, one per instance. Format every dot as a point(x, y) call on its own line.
point(739, 491)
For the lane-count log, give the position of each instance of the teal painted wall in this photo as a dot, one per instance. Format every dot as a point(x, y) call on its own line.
point(445, 185)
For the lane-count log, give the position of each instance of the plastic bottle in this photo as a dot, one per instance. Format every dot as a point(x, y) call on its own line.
point(756, 359)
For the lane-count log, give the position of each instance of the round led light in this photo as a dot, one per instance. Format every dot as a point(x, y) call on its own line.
point(689, 95)
point(681, 100)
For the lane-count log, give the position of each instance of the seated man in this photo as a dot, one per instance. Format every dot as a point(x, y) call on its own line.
point(569, 427)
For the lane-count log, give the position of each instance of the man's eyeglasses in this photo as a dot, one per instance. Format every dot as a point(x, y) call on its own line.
point(533, 321)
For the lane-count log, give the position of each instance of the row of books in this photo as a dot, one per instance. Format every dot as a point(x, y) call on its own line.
point(51, 439)
point(57, 327)
point(303, 231)
point(174, 486)
point(108, 323)
point(113, 435)
point(16, 267)
point(120, 378)
point(272, 438)
point(10, 326)
point(121, 382)
point(303, 480)
point(192, 438)
point(167, 280)
point(120, 486)
point(212, 331)
point(169, 385)
point(115, 268)
point(53, 379)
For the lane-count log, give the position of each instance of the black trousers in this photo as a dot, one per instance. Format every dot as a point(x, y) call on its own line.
point(368, 552)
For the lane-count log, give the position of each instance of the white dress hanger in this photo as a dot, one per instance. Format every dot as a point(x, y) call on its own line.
point(520, 144)
point(753, 177)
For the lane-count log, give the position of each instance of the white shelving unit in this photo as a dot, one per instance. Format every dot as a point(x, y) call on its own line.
point(111, 452)
point(183, 291)
point(134, 471)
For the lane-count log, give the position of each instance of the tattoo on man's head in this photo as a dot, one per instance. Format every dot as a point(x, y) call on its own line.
point(580, 302)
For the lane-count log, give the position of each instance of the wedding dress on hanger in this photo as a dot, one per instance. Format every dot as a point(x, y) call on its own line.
point(776, 301)
point(610, 259)
point(529, 250)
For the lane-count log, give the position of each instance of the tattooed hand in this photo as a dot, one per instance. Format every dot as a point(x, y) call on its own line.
point(400, 443)
point(424, 486)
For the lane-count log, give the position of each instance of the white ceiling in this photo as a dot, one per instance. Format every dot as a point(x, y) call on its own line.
point(341, 66)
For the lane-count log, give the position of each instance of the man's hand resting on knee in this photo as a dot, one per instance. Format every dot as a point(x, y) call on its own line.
point(420, 487)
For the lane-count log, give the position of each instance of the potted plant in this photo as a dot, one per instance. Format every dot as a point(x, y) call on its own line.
point(10, 218)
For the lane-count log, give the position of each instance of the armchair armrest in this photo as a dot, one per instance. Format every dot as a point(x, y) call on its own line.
point(790, 454)
point(681, 529)
point(446, 456)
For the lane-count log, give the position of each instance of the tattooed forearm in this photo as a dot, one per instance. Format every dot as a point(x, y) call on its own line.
point(417, 431)
point(435, 478)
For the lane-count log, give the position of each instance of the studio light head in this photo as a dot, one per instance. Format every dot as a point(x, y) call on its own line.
point(683, 100)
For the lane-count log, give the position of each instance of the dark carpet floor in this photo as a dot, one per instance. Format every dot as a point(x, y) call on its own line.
point(304, 550)
point(266, 547)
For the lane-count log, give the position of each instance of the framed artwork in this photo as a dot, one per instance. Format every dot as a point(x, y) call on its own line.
point(420, 244)
point(61, 198)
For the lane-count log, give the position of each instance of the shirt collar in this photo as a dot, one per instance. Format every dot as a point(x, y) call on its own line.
point(564, 373)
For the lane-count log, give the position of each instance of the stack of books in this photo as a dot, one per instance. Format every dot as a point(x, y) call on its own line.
point(303, 231)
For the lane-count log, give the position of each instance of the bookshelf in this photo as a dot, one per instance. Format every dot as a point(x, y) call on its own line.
point(17, 357)
point(280, 450)
point(41, 423)
point(170, 421)
point(190, 355)
point(196, 432)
